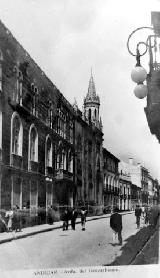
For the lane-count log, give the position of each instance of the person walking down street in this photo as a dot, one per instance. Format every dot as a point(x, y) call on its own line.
point(65, 218)
point(9, 217)
point(73, 218)
point(116, 225)
point(138, 212)
point(146, 215)
point(83, 218)
point(17, 225)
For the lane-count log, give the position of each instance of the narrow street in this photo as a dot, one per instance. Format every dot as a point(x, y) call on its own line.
point(59, 248)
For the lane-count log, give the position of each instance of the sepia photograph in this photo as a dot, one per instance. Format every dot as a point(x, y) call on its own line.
point(79, 138)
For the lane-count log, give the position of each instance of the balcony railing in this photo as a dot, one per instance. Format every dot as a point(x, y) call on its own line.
point(49, 171)
point(33, 166)
point(61, 174)
point(16, 161)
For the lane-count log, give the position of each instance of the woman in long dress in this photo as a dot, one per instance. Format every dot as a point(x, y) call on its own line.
point(9, 215)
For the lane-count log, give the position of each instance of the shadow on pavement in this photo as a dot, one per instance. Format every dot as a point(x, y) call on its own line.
point(133, 245)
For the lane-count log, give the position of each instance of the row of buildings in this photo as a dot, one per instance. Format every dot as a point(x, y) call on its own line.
point(51, 152)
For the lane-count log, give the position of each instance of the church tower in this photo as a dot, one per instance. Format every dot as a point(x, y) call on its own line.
point(92, 104)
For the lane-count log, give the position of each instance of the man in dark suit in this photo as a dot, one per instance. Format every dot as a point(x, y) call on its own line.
point(138, 212)
point(65, 218)
point(73, 218)
point(116, 225)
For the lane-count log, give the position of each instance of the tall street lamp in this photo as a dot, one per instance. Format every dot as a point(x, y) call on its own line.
point(139, 73)
point(151, 88)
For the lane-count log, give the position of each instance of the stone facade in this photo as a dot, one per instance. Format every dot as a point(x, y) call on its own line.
point(37, 133)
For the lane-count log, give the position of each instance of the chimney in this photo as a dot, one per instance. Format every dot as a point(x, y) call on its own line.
point(131, 161)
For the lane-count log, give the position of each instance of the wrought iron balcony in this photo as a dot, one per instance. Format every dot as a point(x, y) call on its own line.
point(49, 171)
point(61, 174)
point(33, 166)
point(16, 161)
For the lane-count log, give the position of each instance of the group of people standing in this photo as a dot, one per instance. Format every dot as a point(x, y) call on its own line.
point(148, 214)
point(72, 215)
point(13, 220)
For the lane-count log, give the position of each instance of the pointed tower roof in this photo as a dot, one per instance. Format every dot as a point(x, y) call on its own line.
point(91, 95)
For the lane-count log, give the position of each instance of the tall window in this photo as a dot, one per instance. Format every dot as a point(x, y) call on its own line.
point(19, 86)
point(70, 162)
point(33, 144)
point(48, 153)
point(17, 133)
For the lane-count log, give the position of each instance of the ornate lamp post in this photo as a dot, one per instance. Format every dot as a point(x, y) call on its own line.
point(152, 87)
point(139, 74)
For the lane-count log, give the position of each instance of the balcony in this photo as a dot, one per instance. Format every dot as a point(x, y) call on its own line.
point(49, 171)
point(16, 161)
point(33, 166)
point(61, 174)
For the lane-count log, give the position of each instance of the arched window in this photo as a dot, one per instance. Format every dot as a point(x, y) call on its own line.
point(64, 159)
point(33, 144)
point(49, 149)
point(16, 135)
point(95, 114)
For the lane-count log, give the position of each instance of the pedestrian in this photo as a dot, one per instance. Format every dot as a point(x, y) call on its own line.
point(116, 225)
point(73, 218)
point(3, 226)
point(17, 225)
point(83, 218)
point(65, 218)
point(143, 210)
point(9, 217)
point(146, 215)
point(138, 212)
point(50, 215)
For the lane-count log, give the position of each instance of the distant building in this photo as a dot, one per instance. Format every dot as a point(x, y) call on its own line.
point(134, 171)
point(125, 186)
point(111, 189)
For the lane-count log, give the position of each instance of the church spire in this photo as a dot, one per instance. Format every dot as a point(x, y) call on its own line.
point(91, 95)
point(92, 104)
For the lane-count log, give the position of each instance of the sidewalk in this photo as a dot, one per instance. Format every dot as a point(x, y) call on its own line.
point(29, 231)
point(149, 254)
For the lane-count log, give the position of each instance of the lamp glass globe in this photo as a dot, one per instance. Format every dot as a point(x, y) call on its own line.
point(138, 74)
point(141, 91)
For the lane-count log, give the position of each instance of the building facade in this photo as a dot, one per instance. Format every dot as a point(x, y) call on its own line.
point(125, 186)
point(111, 188)
point(36, 133)
point(88, 149)
point(134, 172)
point(50, 151)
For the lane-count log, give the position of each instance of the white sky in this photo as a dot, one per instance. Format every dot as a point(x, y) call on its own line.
point(68, 37)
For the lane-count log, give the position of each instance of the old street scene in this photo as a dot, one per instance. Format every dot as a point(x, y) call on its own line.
point(79, 149)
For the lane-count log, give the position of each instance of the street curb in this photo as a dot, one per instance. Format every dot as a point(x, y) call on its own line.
point(148, 241)
point(15, 237)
